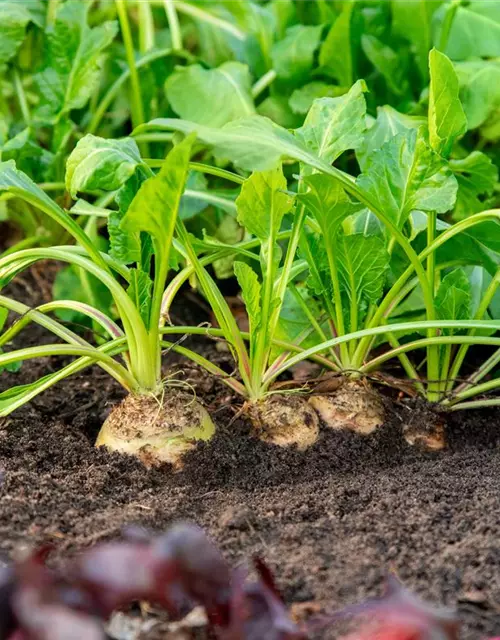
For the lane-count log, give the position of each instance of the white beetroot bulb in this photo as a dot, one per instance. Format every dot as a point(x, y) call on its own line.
point(156, 430)
point(284, 420)
point(353, 406)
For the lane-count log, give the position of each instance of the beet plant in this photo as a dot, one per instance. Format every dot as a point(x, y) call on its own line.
point(156, 421)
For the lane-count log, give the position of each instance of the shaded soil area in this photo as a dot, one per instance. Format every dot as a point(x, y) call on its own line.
point(331, 522)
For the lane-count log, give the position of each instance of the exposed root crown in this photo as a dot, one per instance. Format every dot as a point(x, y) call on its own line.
point(156, 430)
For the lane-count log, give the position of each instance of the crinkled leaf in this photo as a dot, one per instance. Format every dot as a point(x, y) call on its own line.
point(98, 163)
point(212, 97)
point(336, 54)
point(139, 290)
point(453, 298)
point(389, 123)
point(447, 119)
point(334, 125)
point(263, 202)
point(302, 99)
point(405, 174)
point(391, 65)
point(363, 263)
point(477, 177)
point(328, 203)
point(155, 207)
point(250, 292)
point(72, 60)
point(292, 56)
point(14, 18)
point(228, 232)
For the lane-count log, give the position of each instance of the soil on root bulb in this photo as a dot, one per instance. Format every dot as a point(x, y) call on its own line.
point(156, 430)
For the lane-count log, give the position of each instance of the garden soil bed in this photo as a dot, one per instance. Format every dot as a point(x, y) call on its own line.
point(331, 522)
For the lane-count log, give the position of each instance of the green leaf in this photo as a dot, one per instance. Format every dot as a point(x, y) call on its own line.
point(391, 65)
point(479, 91)
point(276, 108)
point(254, 143)
point(155, 207)
point(72, 283)
point(72, 59)
point(212, 97)
point(250, 292)
point(139, 291)
point(125, 246)
point(328, 203)
point(405, 174)
point(475, 31)
point(412, 20)
point(18, 184)
point(477, 177)
point(336, 54)
point(363, 264)
point(447, 119)
point(453, 298)
point(14, 18)
point(96, 163)
point(263, 202)
point(389, 123)
point(334, 125)
point(302, 99)
point(292, 57)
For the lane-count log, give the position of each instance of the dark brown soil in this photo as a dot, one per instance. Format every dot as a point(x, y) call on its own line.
point(331, 521)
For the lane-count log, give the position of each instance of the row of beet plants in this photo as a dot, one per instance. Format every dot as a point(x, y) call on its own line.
point(349, 271)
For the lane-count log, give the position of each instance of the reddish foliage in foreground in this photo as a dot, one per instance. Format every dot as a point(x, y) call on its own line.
point(178, 571)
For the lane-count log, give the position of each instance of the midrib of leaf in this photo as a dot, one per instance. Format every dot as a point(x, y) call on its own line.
point(237, 88)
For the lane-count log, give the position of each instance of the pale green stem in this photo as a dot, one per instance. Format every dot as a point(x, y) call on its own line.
point(137, 109)
point(263, 83)
point(21, 96)
point(146, 27)
point(204, 16)
point(173, 22)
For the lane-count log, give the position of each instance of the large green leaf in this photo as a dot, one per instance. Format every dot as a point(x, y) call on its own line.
point(254, 143)
point(479, 91)
point(363, 263)
point(14, 18)
point(212, 97)
point(302, 99)
point(72, 60)
point(447, 119)
point(328, 203)
point(405, 174)
point(155, 207)
point(334, 125)
point(389, 123)
point(98, 163)
point(475, 31)
point(477, 177)
point(263, 202)
point(292, 56)
point(336, 55)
